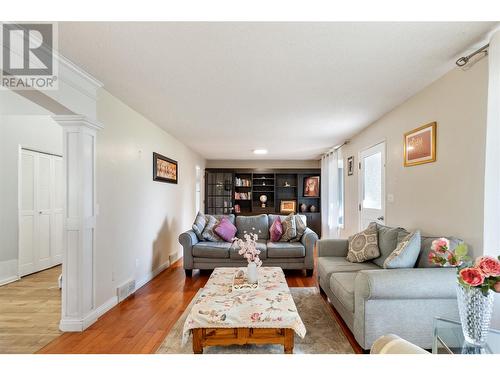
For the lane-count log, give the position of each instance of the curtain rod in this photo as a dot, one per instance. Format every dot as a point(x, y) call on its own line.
point(333, 149)
point(465, 59)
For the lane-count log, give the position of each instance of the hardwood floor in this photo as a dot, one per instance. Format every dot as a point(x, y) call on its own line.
point(140, 323)
point(30, 310)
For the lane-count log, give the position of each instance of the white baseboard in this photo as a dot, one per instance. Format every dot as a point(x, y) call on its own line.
point(8, 271)
point(78, 325)
point(151, 275)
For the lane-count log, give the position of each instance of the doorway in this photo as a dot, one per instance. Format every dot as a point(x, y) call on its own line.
point(40, 211)
point(372, 185)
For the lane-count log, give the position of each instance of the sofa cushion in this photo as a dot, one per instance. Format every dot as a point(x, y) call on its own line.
point(276, 230)
point(406, 253)
point(283, 217)
point(301, 228)
point(363, 246)
point(230, 217)
point(329, 265)
point(342, 286)
point(199, 224)
point(261, 245)
point(289, 228)
point(425, 248)
point(211, 249)
point(225, 230)
point(209, 231)
point(285, 250)
point(387, 241)
point(253, 224)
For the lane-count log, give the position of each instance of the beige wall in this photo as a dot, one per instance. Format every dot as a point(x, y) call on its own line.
point(139, 220)
point(263, 164)
point(441, 198)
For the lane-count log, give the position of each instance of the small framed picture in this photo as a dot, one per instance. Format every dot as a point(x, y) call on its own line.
point(420, 145)
point(164, 169)
point(350, 165)
point(287, 207)
point(311, 186)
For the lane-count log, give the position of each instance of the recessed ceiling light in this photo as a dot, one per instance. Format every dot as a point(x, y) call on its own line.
point(260, 151)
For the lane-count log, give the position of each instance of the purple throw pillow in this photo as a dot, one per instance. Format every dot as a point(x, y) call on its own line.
point(276, 230)
point(225, 230)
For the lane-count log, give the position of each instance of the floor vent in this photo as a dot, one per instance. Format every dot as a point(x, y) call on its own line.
point(125, 290)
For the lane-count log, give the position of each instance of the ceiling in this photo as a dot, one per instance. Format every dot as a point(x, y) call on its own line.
point(295, 89)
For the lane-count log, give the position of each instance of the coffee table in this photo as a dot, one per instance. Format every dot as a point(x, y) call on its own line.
point(266, 315)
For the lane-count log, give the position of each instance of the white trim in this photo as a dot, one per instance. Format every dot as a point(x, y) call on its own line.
point(151, 275)
point(78, 325)
point(79, 120)
point(84, 74)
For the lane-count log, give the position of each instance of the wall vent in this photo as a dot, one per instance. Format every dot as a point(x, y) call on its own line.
point(125, 290)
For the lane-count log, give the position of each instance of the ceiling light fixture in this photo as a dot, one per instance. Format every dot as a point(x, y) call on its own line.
point(260, 151)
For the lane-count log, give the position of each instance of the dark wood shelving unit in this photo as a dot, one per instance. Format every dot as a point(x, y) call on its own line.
point(238, 191)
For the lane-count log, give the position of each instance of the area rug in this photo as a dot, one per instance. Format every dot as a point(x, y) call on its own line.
point(324, 335)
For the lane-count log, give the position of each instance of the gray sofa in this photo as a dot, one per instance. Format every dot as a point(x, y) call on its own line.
point(287, 255)
point(374, 301)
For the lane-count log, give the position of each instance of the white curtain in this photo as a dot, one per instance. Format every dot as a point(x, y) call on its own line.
point(330, 195)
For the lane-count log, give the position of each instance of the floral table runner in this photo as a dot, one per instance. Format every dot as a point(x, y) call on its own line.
point(269, 306)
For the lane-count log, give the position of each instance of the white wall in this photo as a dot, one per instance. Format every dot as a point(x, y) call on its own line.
point(139, 219)
point(263, 164)
point(36, 131)
point(441, 198)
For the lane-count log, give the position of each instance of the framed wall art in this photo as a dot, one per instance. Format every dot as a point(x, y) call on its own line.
point(420, 145)
point(164, 169)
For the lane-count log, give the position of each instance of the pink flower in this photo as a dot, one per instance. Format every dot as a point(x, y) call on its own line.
point(472, 276)
point(489, 266)
point(496, 287)
point(255, 317)
point(440, 245)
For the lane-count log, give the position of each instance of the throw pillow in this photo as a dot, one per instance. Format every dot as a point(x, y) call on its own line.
point(199, 224)
point(363, 246)
point(406, 253)
point(289, 228)
point(301, 228)
point(225, 230)
point(208, 233)
point(276, 230)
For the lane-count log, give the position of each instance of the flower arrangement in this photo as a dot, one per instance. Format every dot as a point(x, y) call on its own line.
point(248, 248)
point(483, 273)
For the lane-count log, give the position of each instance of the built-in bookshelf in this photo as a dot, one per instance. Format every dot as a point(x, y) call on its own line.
point(239, 192)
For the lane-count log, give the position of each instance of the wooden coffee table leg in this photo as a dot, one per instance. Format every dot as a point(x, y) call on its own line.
point(289, 341)
point(197, 341)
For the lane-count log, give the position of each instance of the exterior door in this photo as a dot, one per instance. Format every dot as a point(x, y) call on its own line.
point(41, 212)
point(372, 185)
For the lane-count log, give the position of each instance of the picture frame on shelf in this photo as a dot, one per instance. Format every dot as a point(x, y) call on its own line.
point(288, 206)
point(165, 169)
point(311, 187)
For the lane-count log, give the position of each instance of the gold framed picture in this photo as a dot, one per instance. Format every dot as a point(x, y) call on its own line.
point(164, 169)
point(420, 145)
point(287, 207)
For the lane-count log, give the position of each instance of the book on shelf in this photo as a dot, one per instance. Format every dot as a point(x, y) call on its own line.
point(242, 196)
point(242, 182)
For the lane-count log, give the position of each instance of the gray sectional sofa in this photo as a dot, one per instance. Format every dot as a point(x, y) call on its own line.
point(374, 301)
point(287, 255)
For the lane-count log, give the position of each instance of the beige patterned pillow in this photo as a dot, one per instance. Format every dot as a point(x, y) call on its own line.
point(289, 228)
point(209, 233)
point(301, 228)
point(363, 246)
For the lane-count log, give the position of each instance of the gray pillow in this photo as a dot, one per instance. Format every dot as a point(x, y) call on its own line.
point(406, 253)
point(209, 233)
point(199, 224)
point(363, 246)
point(423, 259)
point(301, 228)
point(387, 242)
point(289, 228)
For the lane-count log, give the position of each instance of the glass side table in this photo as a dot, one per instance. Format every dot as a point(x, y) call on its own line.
point(449, 339)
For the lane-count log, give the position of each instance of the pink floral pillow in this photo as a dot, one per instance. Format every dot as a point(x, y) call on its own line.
point(225, 230)
point(276, 230)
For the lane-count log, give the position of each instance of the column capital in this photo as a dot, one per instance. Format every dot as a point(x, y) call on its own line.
point(77, 120)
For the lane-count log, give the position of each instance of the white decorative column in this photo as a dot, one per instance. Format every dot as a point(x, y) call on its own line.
point(79, 155)
point(491, 235)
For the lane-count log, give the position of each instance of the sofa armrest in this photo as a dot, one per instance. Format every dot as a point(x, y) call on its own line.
point(309, 239)
point(407, 283)
point(332, 248)
point(188, 240)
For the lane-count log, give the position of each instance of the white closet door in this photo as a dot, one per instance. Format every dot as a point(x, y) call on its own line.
point(40, 230)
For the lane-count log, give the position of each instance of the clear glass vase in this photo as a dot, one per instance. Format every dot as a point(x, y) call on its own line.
point(475, 313)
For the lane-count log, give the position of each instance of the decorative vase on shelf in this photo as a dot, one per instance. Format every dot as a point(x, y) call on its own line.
point(475, 313)
point(252, 273)
point(313, 208)
point(303, 207)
